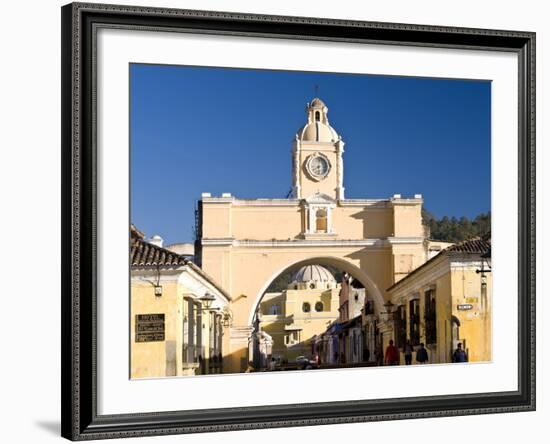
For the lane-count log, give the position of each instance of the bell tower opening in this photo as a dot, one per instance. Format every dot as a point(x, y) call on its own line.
point(321, 221)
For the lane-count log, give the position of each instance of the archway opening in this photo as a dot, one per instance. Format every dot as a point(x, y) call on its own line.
point(315, 314)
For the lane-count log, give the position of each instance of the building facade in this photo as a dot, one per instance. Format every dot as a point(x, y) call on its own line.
point(344, 341)
point(244, 244)
point(295, 316)
point(177, 314)
point(445, 302)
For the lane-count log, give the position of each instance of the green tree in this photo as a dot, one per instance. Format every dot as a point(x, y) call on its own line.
point(456, 229)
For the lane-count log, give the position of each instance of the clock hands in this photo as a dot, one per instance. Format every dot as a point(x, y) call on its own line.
point(318, 166)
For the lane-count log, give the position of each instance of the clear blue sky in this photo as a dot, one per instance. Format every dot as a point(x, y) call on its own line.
point(217, 130)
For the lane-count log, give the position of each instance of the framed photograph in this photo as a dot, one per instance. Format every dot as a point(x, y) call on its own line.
point(275, 221)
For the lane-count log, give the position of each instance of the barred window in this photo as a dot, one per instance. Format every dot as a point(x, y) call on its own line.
point(414, 321)
point(430, 318)
point(401, 326)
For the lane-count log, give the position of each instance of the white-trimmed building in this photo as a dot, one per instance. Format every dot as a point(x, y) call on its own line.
point(177, 314)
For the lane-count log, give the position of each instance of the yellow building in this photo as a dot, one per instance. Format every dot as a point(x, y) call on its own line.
point(177, 313)
point(220, 317)
point(293, 317)
point(246, 243)
point(444, 302)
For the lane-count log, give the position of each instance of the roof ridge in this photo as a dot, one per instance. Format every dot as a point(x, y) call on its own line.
point(474, 245)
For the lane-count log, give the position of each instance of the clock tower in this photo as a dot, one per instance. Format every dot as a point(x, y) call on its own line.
point(317, 165)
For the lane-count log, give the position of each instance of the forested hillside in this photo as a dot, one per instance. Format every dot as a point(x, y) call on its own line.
point(457, 229)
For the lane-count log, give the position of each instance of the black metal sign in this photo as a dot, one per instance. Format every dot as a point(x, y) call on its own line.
point(150, 327)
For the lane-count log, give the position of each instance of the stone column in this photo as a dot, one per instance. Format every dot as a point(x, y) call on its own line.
point(312, 226)
point(296, 186)
point(237, 358)
point(340, 170)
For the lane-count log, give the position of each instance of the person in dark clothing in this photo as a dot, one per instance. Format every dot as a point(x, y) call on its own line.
point(391, 356)
point(460, 355)
point(422, 354)
point(408, 352)
point(366, 355)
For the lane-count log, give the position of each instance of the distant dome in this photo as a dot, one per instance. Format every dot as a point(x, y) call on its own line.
point(315, 273)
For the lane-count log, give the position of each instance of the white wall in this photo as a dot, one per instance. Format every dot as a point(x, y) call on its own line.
point(30, 188)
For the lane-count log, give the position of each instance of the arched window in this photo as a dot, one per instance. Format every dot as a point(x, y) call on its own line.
point(321, 221)
point(318, 306)
point(306, 307)
point(317, 116)
point(455, 328)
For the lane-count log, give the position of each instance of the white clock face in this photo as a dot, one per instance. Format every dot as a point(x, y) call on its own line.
point(318, 166)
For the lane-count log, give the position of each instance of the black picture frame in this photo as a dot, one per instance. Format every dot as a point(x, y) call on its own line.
point(80, 420)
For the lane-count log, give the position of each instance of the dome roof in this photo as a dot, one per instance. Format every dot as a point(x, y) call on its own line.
point(317, 102)
point(317, 128)
point(317, 132)
point(315, 273)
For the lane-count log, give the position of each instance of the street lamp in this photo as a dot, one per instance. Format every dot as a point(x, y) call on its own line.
point(485, 258)
point(207, 300)
point(389, 307)
point(156, 283)
point(227, 317)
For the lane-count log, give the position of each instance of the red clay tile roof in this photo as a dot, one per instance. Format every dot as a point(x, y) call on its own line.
point(134, 232)
point(144, 254)
point(475, 245)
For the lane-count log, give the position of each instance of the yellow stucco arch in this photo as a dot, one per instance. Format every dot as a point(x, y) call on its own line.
point(342, 264)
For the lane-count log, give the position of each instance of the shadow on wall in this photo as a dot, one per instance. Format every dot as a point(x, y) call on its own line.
point(375, 223)
point(235, 362)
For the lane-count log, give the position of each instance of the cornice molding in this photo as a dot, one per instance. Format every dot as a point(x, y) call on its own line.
point(298, 243)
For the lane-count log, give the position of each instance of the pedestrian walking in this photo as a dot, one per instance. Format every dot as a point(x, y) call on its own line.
point(459, 354)
point(391, 357)
point(422, 354)
point(366, 355)
point(408, 352)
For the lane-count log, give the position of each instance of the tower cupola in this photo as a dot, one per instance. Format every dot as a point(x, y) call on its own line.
point(317, 128)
